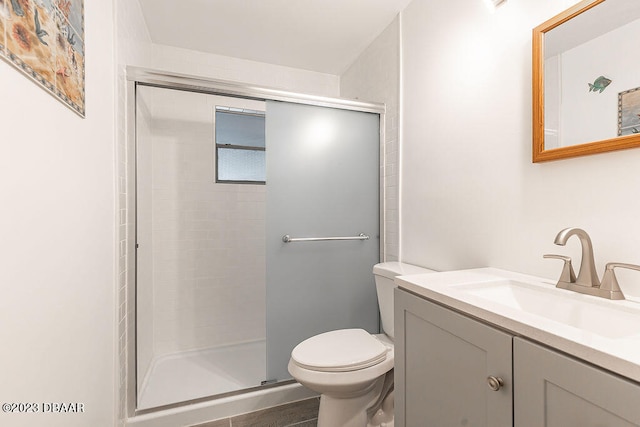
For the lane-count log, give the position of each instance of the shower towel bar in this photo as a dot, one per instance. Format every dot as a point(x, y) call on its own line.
point(288, 239)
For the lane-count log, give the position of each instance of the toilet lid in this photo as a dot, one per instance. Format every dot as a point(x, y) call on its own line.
point(339, 351)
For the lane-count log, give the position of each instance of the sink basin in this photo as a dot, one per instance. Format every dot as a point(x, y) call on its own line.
point(596, 315)
point(602, 332)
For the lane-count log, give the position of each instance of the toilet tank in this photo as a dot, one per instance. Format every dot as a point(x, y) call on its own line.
point(384, 273)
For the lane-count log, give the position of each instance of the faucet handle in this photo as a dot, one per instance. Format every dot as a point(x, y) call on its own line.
point(567, 275)
point(610, 282)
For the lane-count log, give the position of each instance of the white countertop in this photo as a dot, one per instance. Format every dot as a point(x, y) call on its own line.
point(614, 347)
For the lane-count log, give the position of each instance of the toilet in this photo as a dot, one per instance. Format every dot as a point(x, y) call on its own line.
point(351, 368)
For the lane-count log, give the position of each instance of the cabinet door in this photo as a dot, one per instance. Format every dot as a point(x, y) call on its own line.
point(443, 360)
point(553, 390)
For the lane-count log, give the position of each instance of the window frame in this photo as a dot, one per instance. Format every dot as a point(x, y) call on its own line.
point(243, 112)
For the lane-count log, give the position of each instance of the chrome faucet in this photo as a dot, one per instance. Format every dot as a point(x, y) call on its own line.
point(587, 281)
point(587, 276)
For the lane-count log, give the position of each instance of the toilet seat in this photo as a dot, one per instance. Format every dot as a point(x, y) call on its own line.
point(340, 351)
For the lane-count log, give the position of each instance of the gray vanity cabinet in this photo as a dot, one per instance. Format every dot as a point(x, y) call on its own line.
point(443, 360)
point(554, 390)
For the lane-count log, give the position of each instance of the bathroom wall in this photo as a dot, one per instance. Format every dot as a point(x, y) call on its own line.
point(375, 76)
point(470, 195)
point(177, 60)
point(58, 277)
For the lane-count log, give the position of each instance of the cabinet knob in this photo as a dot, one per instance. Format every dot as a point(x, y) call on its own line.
point(495, 383)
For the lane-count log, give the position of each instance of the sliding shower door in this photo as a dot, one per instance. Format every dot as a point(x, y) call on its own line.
point(200, 245)
point(323, 173)
point(221, 299)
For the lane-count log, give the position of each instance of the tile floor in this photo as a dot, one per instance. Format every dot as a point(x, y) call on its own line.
point(296, 414)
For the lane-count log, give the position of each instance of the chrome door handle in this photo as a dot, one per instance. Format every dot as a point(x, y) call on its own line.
point(494, 383)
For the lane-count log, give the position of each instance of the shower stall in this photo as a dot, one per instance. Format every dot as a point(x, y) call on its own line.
point(257, 226)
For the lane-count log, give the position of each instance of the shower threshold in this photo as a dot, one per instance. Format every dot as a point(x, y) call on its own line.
point(195, 374)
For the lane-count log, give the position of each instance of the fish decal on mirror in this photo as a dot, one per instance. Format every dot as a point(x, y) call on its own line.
point(599, 84)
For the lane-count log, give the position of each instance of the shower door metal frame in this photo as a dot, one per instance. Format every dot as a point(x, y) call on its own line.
point(147, 77)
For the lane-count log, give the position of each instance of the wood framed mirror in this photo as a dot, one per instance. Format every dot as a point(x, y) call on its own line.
point(586, 80)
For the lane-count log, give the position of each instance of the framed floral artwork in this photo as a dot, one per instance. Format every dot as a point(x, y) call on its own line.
point(44, 39)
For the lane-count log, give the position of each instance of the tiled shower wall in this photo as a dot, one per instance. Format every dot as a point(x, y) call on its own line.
point(133, 46)
point(368, 79)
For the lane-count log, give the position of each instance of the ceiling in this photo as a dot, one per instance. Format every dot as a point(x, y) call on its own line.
point(319, 35)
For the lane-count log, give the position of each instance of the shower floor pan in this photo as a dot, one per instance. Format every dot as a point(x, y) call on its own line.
point(192, 375)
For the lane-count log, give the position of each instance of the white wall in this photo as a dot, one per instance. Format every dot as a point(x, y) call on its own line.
point(191, 62)
point(57, 310)
point(470, 195)
point(375, 76)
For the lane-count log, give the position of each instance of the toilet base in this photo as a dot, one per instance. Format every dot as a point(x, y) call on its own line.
point(384, 417)
point(381, 414)
point(348, 411)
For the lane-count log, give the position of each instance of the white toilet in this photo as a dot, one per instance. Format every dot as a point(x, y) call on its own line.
point(352, 369)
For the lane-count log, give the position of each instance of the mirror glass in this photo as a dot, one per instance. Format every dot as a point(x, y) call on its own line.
point(586, 80)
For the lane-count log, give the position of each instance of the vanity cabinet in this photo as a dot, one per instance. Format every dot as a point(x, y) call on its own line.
point(554, 390)
point(442, 362)
point(445, 363)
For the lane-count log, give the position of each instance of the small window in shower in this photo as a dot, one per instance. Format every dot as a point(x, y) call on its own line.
point(240, 146)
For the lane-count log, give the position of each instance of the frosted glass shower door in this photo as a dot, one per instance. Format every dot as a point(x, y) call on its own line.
point(322, 181)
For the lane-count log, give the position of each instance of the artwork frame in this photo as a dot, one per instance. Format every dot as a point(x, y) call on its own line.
point(629, 112)
point(44, 39)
